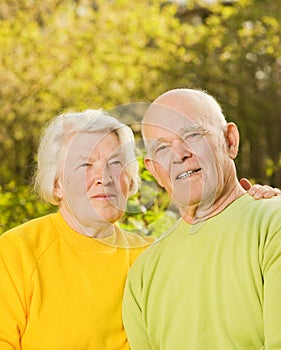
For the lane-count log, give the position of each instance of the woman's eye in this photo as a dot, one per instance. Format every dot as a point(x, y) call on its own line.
point(85, 165)
point(115, 162)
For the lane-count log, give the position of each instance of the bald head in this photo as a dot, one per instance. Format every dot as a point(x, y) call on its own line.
point(195, 105)
point(190, 151)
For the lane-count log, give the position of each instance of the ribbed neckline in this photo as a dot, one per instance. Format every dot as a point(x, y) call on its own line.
point(217, 220)
point(86, 243)
point(76, 239)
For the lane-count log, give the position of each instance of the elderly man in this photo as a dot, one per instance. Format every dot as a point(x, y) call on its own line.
point(213, 281)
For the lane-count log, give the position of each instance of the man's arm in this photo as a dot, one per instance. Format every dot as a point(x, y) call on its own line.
point(133, 318)
point(271, 267)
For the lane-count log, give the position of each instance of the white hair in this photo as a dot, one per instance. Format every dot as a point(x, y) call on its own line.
point(61, 129)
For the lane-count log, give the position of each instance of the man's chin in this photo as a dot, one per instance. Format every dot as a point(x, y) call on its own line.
point(187, 201)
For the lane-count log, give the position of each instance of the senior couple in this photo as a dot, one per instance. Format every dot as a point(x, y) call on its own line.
point(212, 282)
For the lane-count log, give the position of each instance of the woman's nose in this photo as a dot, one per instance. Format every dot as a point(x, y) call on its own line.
point(100, 175)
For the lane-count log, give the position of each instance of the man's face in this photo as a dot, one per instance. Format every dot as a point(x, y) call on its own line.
point(93, 182)
point(187, 157)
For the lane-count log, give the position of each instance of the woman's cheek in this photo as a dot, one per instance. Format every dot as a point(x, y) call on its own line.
point(124, 182)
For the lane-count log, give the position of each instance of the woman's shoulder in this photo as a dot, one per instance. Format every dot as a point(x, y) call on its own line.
point(37, 233)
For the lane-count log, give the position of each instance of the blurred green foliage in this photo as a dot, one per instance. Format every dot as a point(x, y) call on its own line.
point(61, 55)
point(148, 212)
point(19, 204)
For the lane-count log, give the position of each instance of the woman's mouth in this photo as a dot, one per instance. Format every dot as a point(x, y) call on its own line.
point(102, 197)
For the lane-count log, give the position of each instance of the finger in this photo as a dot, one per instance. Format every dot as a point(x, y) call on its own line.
point(269, 191)
point(245, 183)
point(258, 191)
point(277, 191)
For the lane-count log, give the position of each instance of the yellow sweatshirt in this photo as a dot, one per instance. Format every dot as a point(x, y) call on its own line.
point(61, 290)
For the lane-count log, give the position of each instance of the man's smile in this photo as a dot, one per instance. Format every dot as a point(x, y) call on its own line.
point(188, 173)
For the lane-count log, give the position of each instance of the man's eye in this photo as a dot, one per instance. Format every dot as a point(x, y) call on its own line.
point(161, 148)
point(194, 136)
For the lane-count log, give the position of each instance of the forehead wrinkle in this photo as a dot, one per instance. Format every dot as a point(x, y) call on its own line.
point(95, 153)
point(182, 130)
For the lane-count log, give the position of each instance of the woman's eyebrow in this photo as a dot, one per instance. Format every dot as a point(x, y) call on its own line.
point(116, 154)
point(81, 157)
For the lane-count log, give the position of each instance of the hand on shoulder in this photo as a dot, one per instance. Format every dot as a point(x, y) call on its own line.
point(259, 191)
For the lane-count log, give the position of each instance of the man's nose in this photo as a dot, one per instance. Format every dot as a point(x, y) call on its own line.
point(181, 150)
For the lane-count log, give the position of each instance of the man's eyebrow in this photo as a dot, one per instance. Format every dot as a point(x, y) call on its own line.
point(153, 144)
point(190, 128)
point(183, 130)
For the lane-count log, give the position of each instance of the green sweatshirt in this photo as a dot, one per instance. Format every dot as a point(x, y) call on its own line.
point(210, 286)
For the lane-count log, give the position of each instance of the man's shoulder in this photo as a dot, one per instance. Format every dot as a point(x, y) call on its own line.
point(263, 216)
point(148, 255)
point(247, 204)
point(157, 251)
point(266, 206)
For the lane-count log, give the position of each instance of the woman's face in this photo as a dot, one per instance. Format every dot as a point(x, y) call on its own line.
point(93, 184)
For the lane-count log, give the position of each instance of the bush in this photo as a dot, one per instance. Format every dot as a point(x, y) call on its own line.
point(19, 204)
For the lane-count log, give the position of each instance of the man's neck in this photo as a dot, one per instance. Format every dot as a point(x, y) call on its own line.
point(207, 209)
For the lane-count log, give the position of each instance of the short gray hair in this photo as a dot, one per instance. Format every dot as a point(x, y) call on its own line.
point(67, 125)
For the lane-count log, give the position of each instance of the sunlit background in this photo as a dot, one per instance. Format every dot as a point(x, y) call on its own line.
point(61, 55)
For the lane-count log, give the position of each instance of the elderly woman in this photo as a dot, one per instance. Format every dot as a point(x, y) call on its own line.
point(62, 275)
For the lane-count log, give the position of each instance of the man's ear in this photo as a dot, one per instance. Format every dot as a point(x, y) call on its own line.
point(232, 139)
point(57, 189)
point(150, 167)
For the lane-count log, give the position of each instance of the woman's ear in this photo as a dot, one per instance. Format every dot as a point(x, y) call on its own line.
point(57, 189)
point(232, 139)
point(150, 167)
